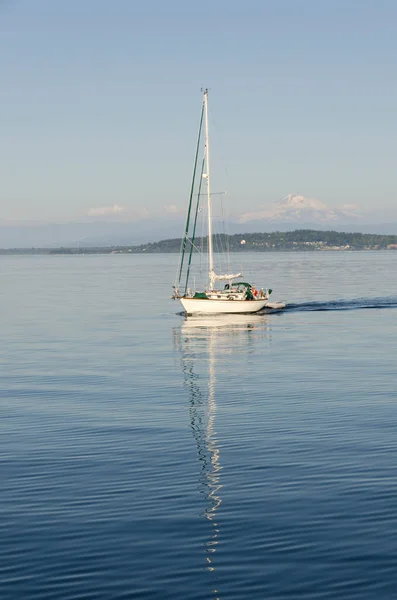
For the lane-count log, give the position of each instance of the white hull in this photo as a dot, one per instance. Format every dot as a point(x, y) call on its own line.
point(195, 306)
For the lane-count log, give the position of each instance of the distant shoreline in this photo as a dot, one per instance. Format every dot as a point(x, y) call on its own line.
point(307, 240)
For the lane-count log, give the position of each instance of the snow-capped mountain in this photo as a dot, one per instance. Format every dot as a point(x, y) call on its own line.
point(300, 210)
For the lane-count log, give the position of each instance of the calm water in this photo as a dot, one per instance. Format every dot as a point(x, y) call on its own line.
point(147, 456)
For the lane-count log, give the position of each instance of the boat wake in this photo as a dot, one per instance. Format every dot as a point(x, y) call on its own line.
point(340, 304)
point(352, 304)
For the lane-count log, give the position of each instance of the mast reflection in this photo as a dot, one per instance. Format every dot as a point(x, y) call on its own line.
point(204, 344)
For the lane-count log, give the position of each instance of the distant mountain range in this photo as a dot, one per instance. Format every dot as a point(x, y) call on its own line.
point(87, 234)
point(290, 213)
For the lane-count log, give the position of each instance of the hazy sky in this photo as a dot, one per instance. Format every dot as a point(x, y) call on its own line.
point(100, 103)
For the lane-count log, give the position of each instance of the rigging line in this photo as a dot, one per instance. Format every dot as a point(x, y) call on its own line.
point(193, 245)
point(202, 244)
point(212, 194)
point(183, 245)
point(226, 230)
point(218, 241)
point(225, 215)
point(221, 240)
point(219, 246)
point(194, 225)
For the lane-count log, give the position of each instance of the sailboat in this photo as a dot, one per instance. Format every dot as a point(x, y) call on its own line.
point(232, 296)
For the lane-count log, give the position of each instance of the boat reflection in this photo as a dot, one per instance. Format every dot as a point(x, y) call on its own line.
point(206, 343)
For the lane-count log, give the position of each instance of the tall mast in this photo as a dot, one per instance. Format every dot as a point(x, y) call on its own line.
point(207, 177)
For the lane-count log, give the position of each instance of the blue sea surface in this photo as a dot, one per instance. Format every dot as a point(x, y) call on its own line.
point(148, 455)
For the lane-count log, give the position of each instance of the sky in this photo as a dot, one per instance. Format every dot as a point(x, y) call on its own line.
point(100, 104)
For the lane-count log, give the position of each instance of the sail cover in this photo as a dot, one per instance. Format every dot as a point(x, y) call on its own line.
point(224, 277)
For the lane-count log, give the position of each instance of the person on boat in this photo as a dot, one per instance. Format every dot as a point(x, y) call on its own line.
point(249, 294)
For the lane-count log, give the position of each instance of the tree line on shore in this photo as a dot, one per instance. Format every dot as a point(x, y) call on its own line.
point(300, 239)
